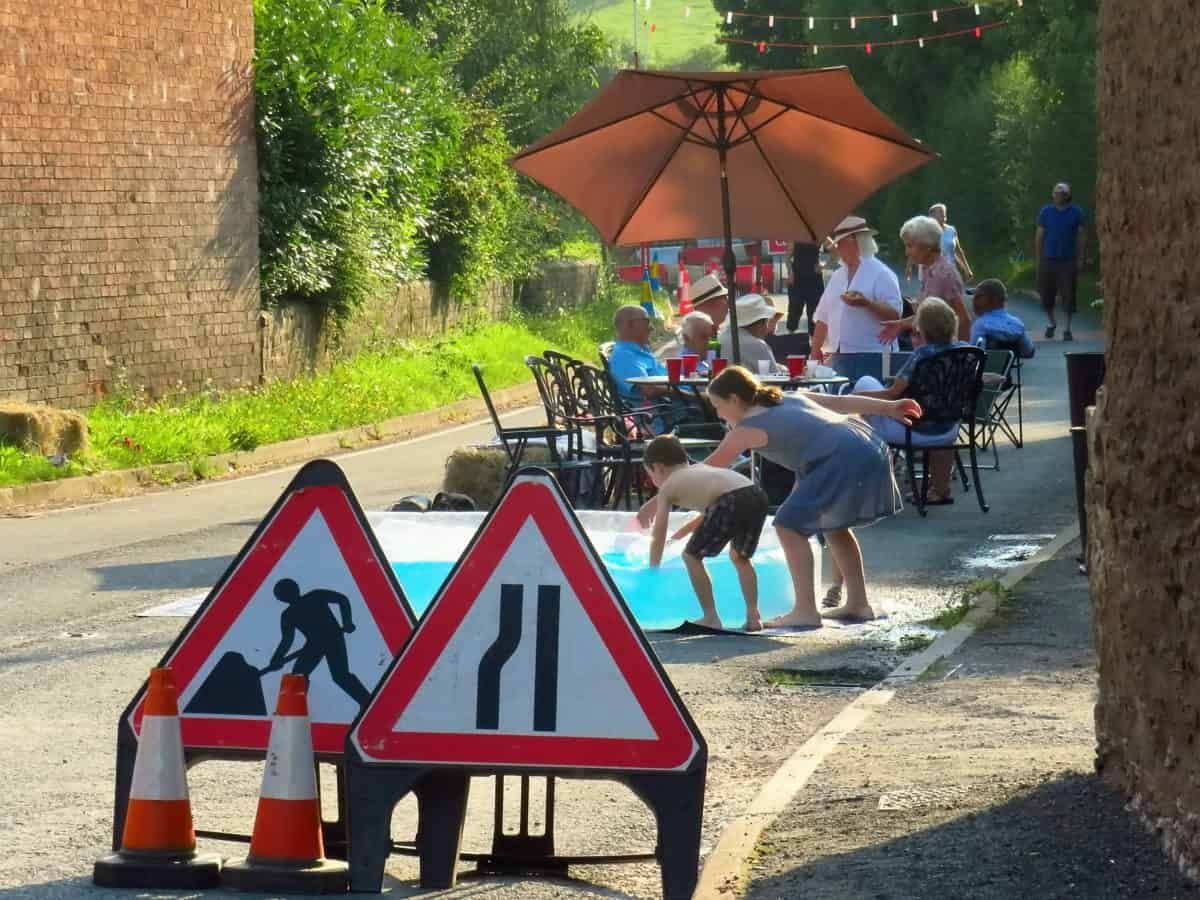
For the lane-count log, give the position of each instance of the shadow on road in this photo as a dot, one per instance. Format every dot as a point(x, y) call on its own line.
point(1071, 837)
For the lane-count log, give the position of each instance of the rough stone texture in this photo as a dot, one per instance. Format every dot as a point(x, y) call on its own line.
point(128, 232)
point(1144, 513)
point(561, 286)
point(300, 338)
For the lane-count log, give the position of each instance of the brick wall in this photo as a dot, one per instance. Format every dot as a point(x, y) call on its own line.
point(128, 234)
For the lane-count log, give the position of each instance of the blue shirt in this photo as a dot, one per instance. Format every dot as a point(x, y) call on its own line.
point(1061, 227)
point(924, 352)
point(630, 360)
point(999, 326)
point(949, 234)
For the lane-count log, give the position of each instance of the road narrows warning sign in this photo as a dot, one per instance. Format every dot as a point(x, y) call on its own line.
point(528, 657)
point(312, 594)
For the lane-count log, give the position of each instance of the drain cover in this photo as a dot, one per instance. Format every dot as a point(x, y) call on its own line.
point(922, 798)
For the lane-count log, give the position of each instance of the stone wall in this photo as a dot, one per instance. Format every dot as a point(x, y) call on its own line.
point(128, 197)
point(1144, 508)
point(299, 337)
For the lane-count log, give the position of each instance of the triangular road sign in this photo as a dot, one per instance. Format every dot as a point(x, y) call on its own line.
point(528, 658)
point(311, 593)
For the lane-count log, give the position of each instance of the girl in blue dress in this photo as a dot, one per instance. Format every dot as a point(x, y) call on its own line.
point(843, 477)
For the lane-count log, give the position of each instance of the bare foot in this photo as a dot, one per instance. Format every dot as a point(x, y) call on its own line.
point(713, 621)
point(753, 623)
point(851, 614)
point(794, 619)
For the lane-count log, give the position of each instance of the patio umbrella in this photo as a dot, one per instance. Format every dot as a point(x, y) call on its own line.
point(793, 151)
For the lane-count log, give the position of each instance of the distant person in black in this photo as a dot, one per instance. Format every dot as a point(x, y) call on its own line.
point(324, 638)
point(805, 284)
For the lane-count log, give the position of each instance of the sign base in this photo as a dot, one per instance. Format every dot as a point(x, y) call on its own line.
point(328, 876)
point(675, 798)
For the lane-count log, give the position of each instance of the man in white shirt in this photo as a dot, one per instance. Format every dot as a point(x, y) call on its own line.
point(862, 293)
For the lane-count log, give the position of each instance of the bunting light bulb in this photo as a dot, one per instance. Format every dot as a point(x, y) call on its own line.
point(868, 48)
point(1020, 2)
point(762, 46)
point(895, 20)
point(976, 9)
point(816, 49)
point(687, 12)
point(729, 18)
point(770, 21)
point(853, 22)
point(935, 15)
point(811, 22)
point(921, 43)
point(978, 32)
point(647, 5)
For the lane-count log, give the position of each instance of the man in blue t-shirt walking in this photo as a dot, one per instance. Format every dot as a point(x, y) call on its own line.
point(1060, 240)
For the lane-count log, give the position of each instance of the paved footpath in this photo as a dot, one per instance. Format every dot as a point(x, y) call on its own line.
point(72, 652)
point(976, 781)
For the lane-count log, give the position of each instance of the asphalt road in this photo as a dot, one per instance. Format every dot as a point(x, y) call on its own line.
point(72, 654)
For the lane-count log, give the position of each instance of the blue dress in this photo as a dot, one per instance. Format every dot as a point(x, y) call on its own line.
point(843, 468)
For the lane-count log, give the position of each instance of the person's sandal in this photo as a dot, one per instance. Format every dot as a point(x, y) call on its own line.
point(833, 597)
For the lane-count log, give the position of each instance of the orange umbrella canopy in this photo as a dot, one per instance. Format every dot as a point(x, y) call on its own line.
point(801, 149)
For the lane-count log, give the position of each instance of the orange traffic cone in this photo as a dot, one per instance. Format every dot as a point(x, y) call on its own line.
point(287, 854)
point(685, 290)
point(158, 845)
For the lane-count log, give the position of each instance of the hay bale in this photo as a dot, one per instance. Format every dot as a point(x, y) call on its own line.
point(479, 472)
point(43, 429)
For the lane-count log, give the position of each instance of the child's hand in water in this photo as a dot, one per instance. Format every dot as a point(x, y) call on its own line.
point(905, 410)
point(645, 516)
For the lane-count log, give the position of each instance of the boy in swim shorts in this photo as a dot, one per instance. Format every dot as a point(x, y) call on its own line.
point(732, 509)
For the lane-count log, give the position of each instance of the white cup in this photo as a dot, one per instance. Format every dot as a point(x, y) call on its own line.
point(764, 367)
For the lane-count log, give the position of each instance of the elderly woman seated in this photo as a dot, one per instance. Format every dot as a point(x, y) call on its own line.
point(937, 324)
point(695, 333)
point(756, 319)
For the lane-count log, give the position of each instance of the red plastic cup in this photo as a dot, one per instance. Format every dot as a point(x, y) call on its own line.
point(718, 365)
point(796, 364)
point(690, 361)
point(674, 368)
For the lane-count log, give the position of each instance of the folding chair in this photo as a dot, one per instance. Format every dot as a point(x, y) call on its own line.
point(1013, 389)
point(947, 386)
point(994, 396)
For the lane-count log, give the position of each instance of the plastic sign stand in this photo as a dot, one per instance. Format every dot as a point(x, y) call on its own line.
point(526, 662)
point(311, 593)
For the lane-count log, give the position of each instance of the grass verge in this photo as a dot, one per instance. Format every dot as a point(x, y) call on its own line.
point(956, 610)
point(129, 429)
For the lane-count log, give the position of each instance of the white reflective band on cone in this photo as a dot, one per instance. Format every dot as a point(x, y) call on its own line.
point(290, 773)
point(158, 772)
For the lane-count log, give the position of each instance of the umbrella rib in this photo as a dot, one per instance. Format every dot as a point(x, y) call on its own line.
point(775, 174)
point(688, 136)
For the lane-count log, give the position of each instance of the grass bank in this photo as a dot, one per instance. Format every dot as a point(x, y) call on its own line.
point(129, 429)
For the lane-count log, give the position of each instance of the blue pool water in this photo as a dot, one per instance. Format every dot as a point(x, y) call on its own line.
point(658, 598)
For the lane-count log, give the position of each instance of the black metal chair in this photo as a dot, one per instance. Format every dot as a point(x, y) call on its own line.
point(785, 345)
point(516, 440)
point(947, 386)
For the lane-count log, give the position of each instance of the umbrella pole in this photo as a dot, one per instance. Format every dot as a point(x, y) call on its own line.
point(730, 261)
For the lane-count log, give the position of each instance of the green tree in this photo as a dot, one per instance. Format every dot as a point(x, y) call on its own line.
point(356, 123)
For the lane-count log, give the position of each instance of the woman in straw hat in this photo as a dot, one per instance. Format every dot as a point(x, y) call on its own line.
point(843, 477)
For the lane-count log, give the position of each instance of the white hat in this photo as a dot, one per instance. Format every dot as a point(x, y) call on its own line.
point(753, 308)
point(851, 225)
point(707, 288)
point(1062, 187)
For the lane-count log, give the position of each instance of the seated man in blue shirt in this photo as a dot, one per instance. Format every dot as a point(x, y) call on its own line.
point(994, 325)
point(632, 357)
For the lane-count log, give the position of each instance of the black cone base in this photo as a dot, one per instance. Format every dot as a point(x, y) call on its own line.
point(326, 876)
point(137, 870)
